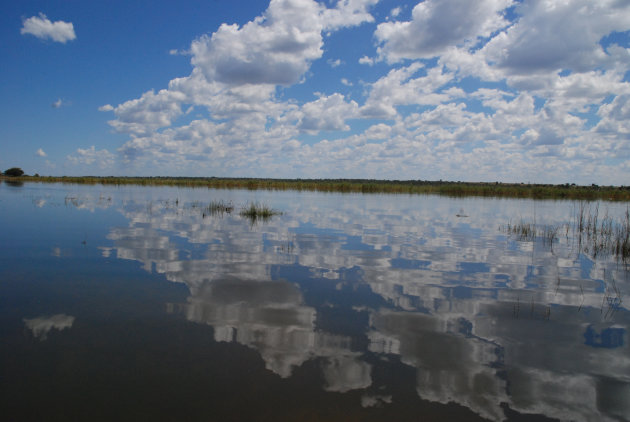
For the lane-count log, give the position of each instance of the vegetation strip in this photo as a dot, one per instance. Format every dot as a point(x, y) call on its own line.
point(458, 189)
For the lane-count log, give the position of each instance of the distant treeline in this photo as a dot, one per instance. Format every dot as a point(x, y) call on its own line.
point(493, 189)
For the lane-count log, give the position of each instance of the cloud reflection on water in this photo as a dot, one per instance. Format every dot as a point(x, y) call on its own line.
point(482, 318)
point(42, 326)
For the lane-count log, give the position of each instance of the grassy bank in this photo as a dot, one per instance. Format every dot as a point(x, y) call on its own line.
point(459, 189)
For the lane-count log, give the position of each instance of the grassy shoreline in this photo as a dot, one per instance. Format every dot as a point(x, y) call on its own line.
point(457, 189)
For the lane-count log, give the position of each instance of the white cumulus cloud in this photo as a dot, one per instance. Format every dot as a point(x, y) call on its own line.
point(276, 48)
point(236, 71)
point(437, 25)
point(90, 156)
point(327, 113)
point(528, 109)
point(147, 113)
point(41, 27)
point(367, 60)
point(554, 35)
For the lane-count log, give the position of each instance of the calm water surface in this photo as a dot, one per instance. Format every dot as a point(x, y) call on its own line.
point(139, 303)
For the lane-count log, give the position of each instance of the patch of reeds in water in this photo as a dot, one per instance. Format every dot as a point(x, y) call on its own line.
point(530, 231)
point(219, 208)
point(595, 235)
point(255, 212)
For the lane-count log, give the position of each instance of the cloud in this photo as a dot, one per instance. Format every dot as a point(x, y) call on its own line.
point(367, 60)
point(148, 113)
point(439, 25)
point(276, 48)
point(327, 113)
point(176, 52)
point(40, 153)
point(378, 131)
point(395, 12)
point(551, 36)
point(615, 117)
point(472, 113)
point(334, 63)
point(41, 27)
point(348, 13)
point(400, 87)
point(90, 156)
point(235, 74)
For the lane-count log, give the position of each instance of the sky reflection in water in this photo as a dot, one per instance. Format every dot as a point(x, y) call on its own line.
point(347, 288)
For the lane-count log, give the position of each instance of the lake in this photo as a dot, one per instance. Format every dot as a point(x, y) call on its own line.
point(144, 303)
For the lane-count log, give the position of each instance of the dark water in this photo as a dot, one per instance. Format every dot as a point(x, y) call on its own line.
point(140, 304)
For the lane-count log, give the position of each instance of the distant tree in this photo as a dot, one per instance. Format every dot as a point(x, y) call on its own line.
point(14, 172)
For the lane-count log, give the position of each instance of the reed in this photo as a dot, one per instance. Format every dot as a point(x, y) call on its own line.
point(255, 212)
point(522, 231)
point(219, 208)
point(595, 235)
point(603, 234)
point(454, 189)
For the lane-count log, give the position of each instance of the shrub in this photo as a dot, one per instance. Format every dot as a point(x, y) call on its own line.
point(14, 172)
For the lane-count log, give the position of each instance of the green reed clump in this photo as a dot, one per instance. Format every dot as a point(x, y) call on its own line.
point(255, 212)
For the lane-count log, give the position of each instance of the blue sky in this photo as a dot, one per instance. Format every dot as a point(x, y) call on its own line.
point(491, 90)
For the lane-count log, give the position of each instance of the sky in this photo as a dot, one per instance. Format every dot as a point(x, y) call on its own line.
point(489, 90)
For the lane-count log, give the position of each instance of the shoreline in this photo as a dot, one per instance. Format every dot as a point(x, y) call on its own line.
point(455, 189)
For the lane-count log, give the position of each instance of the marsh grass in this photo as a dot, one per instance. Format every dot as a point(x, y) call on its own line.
point(219, 208)
point(594, 234)
point(447, 188)
point(599, 235)
point(530, 231)
point(522, 230)
point(258, 212)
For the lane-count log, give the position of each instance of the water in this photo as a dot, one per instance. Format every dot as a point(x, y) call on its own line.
point(138, 303)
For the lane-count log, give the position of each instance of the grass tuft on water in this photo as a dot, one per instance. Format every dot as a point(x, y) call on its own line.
point(255, 212)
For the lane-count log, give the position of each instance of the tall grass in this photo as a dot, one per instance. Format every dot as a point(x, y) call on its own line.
point(455, 189)
point(599, 235)
point(255, 212)
point(595, 235)
point(219, 208)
